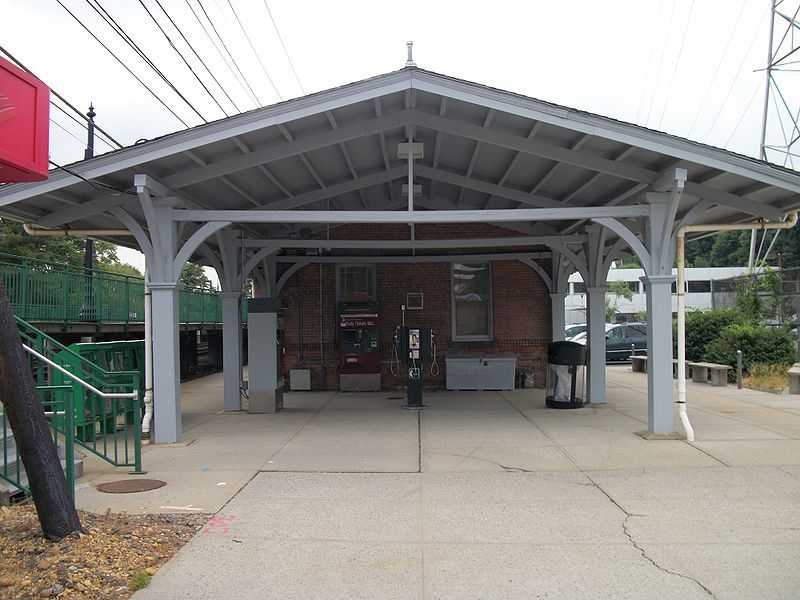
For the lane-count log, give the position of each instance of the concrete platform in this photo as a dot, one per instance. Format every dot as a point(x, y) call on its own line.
point(482, 495)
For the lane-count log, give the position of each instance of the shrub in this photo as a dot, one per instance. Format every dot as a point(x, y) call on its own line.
point(702, 327)
point(767, 378)
point(759, 345)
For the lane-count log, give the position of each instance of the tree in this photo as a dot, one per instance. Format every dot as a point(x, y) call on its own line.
point(57, 514)
point(618, 289)
point(64, 249)
point(193, 276)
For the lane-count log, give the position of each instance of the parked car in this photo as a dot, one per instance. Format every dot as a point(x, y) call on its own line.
point(572, 330)
point(619, 339)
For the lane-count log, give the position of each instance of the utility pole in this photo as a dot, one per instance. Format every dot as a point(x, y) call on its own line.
point(88, 251)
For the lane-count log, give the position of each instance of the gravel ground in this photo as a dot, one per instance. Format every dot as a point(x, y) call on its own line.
point(117, 555)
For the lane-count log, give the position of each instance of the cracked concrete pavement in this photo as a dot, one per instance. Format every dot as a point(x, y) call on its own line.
point(483, 495)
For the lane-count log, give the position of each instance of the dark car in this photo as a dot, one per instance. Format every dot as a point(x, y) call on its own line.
point(619, 339)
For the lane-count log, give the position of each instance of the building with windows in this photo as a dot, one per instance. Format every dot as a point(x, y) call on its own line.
point(701, 285)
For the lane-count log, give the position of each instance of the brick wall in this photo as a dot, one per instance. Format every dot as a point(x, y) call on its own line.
point(520, 307)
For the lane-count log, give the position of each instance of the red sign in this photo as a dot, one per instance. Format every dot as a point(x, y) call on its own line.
point(24, 125)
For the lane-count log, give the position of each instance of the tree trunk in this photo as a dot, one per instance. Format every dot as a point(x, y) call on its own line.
point(46, 479)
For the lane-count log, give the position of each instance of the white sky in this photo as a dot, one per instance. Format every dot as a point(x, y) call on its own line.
point(687, 67)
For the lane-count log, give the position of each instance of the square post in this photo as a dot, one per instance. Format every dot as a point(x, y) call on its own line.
point(166, 358)
point(596, 304)
point(231, 350)
point(660, 410)
point(557, 302)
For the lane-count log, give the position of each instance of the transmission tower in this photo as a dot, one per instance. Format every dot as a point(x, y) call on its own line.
point(780, 125)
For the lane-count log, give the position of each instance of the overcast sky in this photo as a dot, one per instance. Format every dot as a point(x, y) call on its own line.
point(687, 67)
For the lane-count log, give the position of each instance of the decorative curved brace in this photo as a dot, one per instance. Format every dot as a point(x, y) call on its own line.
point(255, 259)
point(262, 282)
point(613, 253)
point(211, 257)
point(540, 271)
point(138, 233)
point(576, 261)
point(634, 242)
point(287, 274)
point(194, 241)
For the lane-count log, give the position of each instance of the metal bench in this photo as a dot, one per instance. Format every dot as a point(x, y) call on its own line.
point(794, 378)
point(701, 371)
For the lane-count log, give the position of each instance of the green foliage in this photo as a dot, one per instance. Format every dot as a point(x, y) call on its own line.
point(139, 580)
point(704, 326)
point(66, 249)
point(193, 276)
point(619, 289)
point(759, 345)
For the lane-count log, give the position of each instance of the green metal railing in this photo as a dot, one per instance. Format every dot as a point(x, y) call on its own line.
point(44, 291)
point(74, 391)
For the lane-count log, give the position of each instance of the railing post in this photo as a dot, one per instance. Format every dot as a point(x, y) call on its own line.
point(127, 302)
point(69, 443)
point(24, 294)
point(65, 295)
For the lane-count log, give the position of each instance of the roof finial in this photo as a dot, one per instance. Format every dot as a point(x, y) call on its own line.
point(410, 62)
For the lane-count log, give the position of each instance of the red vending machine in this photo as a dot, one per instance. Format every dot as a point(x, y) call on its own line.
point(359, 351)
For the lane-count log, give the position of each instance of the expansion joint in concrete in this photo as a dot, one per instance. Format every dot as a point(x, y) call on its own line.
point(641, 550)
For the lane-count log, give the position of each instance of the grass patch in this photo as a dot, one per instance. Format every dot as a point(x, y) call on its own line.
point(767, 378)
point(139, 580)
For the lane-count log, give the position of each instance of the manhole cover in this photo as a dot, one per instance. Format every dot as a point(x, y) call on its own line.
point(130, 486)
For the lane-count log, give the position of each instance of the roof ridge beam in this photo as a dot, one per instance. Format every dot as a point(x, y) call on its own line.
point(424, 244)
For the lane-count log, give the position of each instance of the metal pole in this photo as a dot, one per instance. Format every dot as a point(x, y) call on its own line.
point(763, 149)
point(739, 369)
point(88, 252)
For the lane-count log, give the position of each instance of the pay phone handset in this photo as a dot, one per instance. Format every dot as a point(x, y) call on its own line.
point(417, 344)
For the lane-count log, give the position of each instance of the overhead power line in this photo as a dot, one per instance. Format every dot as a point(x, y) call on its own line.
point(120, 61)
point(233, 60)
point(59, 96)
point(202, 62)
point(675, 68)
point(285, 51)
point(183, 58)
point(253, 48)
point(120, 31)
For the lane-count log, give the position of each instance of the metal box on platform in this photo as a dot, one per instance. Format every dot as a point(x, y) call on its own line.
point(480, 371)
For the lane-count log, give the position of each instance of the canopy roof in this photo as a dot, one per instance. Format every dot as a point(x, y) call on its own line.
point(337, 150)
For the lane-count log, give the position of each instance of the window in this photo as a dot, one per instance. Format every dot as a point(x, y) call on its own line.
point(472, 301)
point(356, 283)
point(699, 287)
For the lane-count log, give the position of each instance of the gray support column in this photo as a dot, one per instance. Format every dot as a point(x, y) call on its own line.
point(166, 373)
point(660, 410)
point(264, 385)
point(596, 312)
point(231, 350)
point(557, 316)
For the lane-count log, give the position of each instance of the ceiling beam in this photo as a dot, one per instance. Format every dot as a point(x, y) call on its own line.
point(419, 244)
point(285, 150)
point(436, 258)
point(533, 147)
point(485, 187)
point(441, 216)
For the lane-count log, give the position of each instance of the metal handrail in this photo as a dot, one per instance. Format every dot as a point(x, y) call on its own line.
point(77, 379)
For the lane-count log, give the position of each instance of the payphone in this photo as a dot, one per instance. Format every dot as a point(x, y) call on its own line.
point(416, 346)
point(359, 350)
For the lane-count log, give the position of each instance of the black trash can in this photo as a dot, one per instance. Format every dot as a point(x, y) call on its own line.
point(566, 375)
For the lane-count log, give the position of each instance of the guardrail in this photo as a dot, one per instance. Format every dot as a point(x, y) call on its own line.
point(43, 291)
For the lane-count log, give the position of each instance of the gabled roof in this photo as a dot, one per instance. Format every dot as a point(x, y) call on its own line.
point(483, 148)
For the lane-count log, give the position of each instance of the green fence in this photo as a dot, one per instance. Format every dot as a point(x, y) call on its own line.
point(42, 291)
